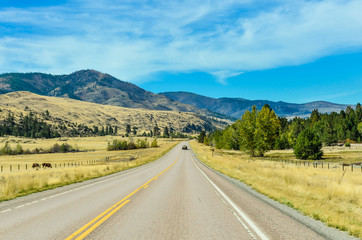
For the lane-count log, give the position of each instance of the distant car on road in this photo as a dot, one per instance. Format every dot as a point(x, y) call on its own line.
point(184, 147)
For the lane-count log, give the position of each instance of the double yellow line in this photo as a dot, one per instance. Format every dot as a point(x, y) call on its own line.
point(84, 231)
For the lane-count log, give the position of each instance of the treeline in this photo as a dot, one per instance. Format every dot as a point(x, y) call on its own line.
point(128, 145)
point(260, 131)
point(56, 148)
point(166, 132)
point(35, 125)
point(27, 126)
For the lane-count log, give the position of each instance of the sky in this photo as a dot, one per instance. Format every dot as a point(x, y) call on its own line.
point(281, 50)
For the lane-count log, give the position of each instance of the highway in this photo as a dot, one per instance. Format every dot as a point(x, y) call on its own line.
point(175, 197)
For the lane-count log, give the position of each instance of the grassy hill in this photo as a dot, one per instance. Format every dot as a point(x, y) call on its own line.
point(96, 87)
point(66, 110)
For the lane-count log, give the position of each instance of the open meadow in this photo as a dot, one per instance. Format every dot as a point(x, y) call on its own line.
point(330, 194)
point(18, 178)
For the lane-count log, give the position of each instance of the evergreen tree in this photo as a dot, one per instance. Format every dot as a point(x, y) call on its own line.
point(248, 132)
point(308, 145)
point(201, 137)
point(128, 129)
point(166, 132)
point(135, 130)
point(267, 126)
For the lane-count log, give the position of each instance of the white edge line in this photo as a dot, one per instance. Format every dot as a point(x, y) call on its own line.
point(7, 210)
point(246, 218)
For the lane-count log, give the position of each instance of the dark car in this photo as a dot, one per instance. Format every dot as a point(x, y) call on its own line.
point(184, 147)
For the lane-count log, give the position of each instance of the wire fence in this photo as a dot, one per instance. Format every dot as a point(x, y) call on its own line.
point(9, 167)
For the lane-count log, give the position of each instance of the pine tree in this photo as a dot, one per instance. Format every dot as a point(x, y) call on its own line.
point(308, 145)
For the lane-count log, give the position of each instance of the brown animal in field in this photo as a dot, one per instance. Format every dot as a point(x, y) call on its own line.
point(47, 165)
point(36, 165)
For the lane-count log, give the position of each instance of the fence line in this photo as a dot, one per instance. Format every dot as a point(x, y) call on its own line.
point(316, 164)
point(23, 167)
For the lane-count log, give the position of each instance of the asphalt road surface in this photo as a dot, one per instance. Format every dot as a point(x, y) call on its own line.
point(175, 197)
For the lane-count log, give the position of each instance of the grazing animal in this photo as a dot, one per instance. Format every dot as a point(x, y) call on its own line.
point(47, 165)
point(36, 165)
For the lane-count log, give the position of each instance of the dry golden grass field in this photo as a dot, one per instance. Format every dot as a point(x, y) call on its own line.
point(92, 114)
point(329, 195)
point(22, 182)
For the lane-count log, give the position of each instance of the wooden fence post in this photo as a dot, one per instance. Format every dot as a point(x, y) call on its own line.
point(10, 168)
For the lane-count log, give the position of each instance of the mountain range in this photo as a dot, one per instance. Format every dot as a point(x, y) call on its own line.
point(235, 107)
point(93, 86)
point(96, 87)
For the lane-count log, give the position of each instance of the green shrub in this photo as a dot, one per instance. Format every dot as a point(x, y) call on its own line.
point(132, 145)
point(117, 145)
point(55, 148)
point(347, 144)
point(18, 150)
point(308, 145)
point(154, 143)
point(124, 145)
point(6, 150)
point(142, 143)
point(65, 147)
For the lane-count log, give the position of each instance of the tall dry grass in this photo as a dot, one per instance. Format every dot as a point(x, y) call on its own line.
point(20, 183)
point(320, 193)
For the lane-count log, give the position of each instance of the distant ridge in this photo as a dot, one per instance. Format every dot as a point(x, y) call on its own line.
point(236, 107)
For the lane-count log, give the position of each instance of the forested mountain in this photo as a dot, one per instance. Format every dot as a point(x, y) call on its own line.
point(93, 86)
point(236, 107)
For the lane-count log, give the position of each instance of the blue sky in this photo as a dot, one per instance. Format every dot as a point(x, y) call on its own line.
point(296, 50)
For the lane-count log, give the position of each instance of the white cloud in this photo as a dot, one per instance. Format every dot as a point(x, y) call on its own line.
point(132, 41)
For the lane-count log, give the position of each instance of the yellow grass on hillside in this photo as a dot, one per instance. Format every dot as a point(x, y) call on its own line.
point(18, 183)
point(320, 193)
point(92, 114)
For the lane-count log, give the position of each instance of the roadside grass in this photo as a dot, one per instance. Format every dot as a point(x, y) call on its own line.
point(319, 193)
point(19, 183)
point(332, 154)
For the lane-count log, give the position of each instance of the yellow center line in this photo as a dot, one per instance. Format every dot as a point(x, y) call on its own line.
point(103, 217)
point(86, 233)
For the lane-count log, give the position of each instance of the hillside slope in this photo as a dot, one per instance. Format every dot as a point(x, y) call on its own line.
point(236, 107)
point(90, 114)
point(96, 87)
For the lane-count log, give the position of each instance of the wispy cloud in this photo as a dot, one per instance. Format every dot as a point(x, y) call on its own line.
point(133, 40)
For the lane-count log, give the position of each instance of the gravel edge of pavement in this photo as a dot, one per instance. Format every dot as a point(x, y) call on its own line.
point(315, 225)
